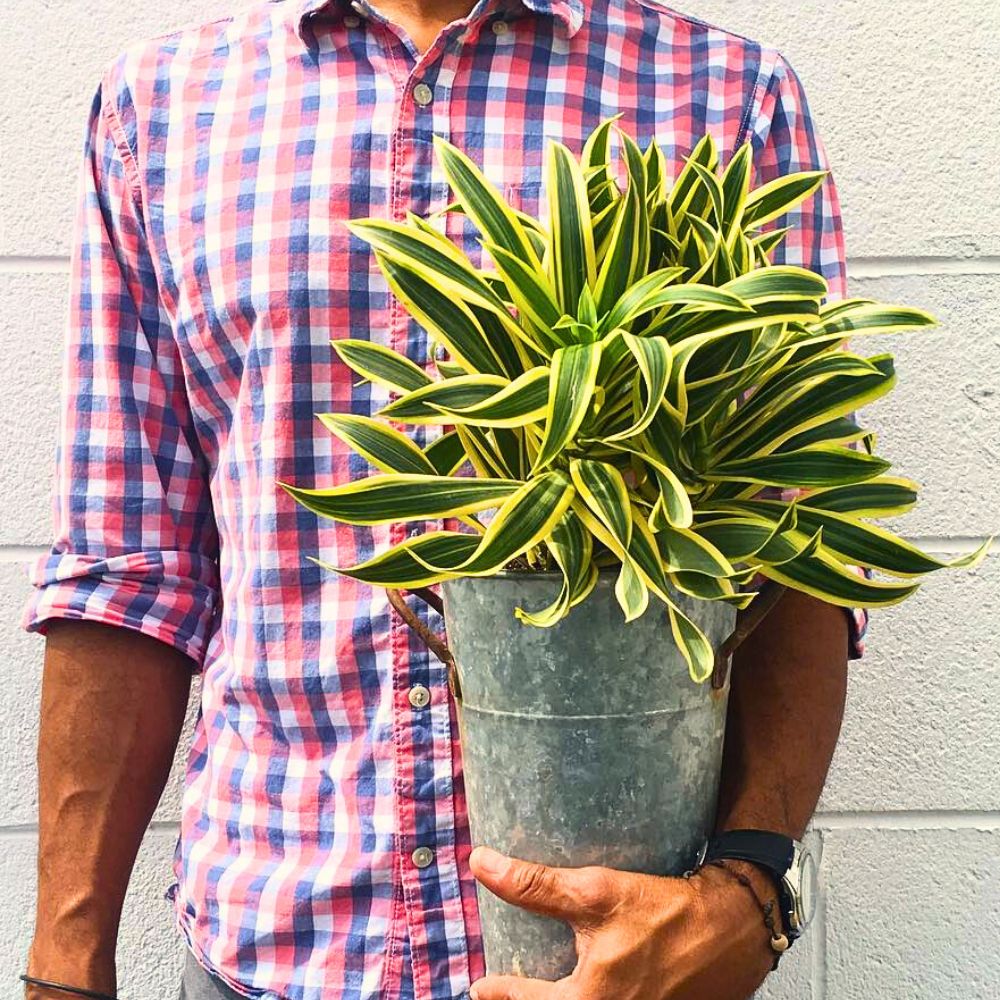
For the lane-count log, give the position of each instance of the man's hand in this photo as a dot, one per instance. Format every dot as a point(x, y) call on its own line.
point(638, 937)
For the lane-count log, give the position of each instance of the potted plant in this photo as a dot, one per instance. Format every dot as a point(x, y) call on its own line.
point(656, 416)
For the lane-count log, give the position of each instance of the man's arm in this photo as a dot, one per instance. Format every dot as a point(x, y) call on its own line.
point(113, 703)
point(789, 683)
point(128, 591)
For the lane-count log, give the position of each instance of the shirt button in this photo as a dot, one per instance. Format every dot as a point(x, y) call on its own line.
point(423, 95)
point(422, 857)
point(500, 27)
point(352, 20)
point(419, 696)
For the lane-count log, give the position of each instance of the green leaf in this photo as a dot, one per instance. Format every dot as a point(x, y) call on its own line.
point(822, 400)
point(857, 542)
point(572, 548)
point(388, 498)
point(875, 498)
point(486, 458)
point(735, 190)
point(483, 203)
point(653, 356)
point(625, 308)
point(431, 258)
point(777, 197)
point(526, 518)
point(447, 319)
point(674, 498)
point(783, 282)
point(523, 401)
point(571, 390)
point(381, 365)
point(446, 453)
point(618, 267)
point(873, 318)
point(385, 447)
point(840, 430)
point(714, 190)
point(821, 465)
point(603, 489)
point(778, 393)
point(823, 577)
point(683, 550)
point(693, 297)
point(397, 567)
point(424, 405)
point(693, 644)
point(685, 188)
point(572, 261)
point(530, 290)
point(766, 242)
point(630, 591)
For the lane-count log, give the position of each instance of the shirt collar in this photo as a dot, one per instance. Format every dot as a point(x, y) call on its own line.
point(569, 12)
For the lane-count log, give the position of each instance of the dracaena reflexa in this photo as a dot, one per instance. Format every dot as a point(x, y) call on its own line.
point(632, 384)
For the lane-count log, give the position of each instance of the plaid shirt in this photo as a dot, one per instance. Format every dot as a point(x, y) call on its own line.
point(210, 270)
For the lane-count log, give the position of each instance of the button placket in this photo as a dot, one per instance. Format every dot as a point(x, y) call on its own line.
point(424, 738)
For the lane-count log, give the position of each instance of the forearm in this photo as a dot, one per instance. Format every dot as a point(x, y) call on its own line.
point(789, 682)
point(113, 703)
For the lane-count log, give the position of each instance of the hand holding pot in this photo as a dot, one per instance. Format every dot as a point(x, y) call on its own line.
point(638, 937)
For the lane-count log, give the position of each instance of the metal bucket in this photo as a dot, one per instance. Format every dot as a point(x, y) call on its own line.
point(583, 744)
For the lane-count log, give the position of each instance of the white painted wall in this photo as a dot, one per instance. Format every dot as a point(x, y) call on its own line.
point(907, 100)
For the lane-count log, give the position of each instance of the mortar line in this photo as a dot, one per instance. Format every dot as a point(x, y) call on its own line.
point(871, 266)
point(818, 932)
point(906, 820)
point(24, 831)
point(34, 264)
point(21, 553)
point(884, 267)
point(959, 545)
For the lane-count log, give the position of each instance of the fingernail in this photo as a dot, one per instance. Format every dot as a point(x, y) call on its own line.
point(490, 861)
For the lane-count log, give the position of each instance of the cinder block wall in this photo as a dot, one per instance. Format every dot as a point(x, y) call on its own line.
point(906, 98)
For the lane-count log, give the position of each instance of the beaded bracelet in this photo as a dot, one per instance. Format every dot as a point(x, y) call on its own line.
point(779, 940)
point(76, 991)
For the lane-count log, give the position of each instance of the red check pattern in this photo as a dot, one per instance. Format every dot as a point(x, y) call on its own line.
point(210, 270)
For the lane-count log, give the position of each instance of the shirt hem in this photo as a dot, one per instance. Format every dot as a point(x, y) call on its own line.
point(185, 931)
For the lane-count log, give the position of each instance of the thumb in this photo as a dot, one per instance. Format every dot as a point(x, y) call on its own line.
point(512, 988)
point(576, 895)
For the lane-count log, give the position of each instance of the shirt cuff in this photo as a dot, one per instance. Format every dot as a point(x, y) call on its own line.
point(169, 595)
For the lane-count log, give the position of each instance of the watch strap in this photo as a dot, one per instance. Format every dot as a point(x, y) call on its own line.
point(772, 851)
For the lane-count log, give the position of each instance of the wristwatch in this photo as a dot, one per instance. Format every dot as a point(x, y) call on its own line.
point(789, 862)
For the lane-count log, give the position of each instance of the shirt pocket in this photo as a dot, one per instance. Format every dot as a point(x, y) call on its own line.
point(528, 197)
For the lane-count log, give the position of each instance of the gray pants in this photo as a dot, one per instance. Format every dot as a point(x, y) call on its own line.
point(197, 984)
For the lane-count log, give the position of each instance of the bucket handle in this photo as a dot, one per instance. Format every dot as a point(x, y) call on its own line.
point(433, 642)
point(767, 597)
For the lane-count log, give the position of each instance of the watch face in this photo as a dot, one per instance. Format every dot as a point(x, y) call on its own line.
point(808, 887)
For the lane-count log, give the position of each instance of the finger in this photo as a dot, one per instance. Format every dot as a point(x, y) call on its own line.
point(576, 895)
point(513, 988)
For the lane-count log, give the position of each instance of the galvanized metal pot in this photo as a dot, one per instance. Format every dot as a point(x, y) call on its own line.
point(585, 743)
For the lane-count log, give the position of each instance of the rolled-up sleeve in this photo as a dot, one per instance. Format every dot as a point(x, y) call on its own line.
point(134, 537)
point(785, 141)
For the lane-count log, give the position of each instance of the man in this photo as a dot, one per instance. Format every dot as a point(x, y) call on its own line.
point(325, 851)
